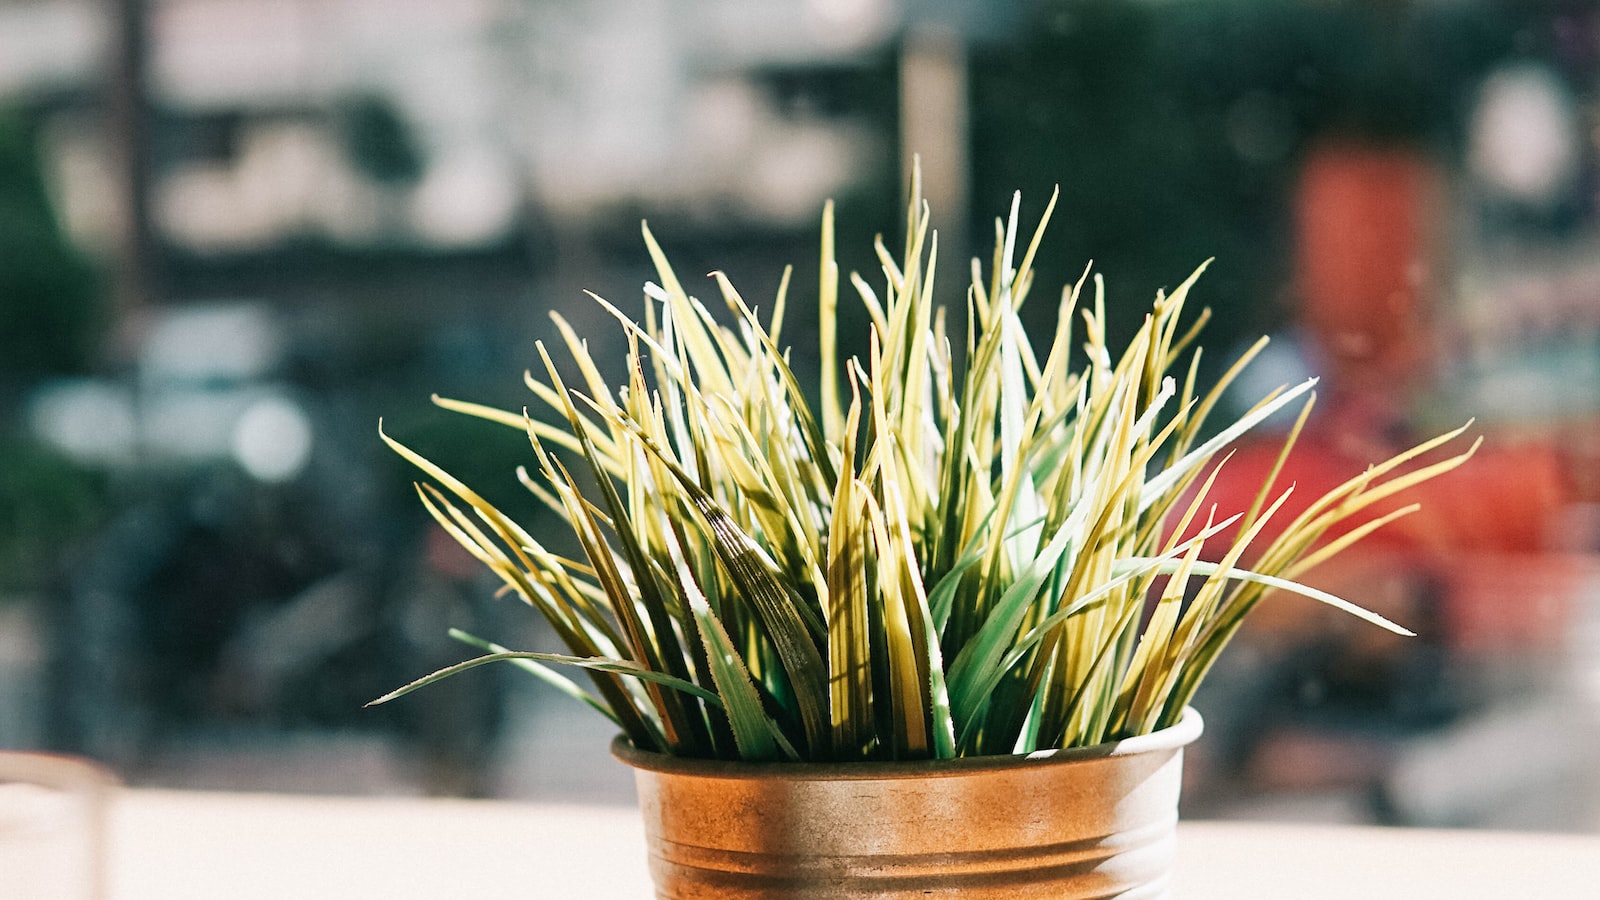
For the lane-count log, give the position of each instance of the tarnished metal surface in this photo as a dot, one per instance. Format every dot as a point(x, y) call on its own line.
point(1097, 822)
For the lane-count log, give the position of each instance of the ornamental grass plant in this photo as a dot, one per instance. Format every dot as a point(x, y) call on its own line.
point(960, 544)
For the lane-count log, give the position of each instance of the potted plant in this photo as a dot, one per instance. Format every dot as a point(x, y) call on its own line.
point(935, 632)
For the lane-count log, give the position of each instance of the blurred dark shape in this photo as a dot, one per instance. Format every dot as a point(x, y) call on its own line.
point(51, 319)
point(221, 607)
point(378, 141)
point(51, 311)
point(228, 606)
point(47, 503)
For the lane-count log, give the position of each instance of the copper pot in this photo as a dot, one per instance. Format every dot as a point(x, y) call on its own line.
point(1088, 822)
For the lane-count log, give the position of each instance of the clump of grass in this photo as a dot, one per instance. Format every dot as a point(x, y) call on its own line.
point(973, 548)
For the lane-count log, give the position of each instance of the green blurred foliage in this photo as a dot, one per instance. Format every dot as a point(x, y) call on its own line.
point(51, 316)
point(46, 503)
point(51, 309)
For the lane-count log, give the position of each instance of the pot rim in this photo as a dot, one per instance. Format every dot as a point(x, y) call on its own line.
point(1178, 735)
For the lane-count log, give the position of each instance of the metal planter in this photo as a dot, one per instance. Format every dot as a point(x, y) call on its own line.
point(1093, 822)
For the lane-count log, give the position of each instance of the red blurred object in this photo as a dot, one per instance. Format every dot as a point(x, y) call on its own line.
point(1367, 234)
point(1520, 602)
point(1487, 534)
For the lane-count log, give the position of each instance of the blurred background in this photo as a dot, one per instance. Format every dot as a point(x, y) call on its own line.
point(234, 233)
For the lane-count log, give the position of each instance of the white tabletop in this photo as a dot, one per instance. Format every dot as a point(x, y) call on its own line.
point(177, 846)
